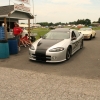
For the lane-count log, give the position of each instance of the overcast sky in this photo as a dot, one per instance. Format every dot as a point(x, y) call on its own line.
point(62, 10)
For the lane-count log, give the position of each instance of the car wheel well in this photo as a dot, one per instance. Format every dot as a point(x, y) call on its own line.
point(70, 47)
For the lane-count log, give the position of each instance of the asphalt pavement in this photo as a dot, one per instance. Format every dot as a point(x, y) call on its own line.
point(76, 79)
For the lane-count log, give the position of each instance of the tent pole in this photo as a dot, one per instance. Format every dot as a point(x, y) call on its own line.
point(29, 28)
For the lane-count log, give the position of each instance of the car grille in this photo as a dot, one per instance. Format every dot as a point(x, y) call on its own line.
point(41, 57)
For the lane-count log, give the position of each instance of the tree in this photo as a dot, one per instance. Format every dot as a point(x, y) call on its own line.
point(50, 24)
point(87, 22)
point(99, 20)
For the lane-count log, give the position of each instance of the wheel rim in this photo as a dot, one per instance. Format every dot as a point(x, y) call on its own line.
point(68, 55)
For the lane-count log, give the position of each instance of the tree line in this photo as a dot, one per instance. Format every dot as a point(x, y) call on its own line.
point(85, 22)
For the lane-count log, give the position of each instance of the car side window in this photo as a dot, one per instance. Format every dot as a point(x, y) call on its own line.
point(73, 34)
point(77, 33)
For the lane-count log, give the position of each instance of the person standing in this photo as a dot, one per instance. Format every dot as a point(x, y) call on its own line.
point(17, 31)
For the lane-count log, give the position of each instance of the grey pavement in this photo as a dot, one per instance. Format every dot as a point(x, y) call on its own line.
point(28, 85)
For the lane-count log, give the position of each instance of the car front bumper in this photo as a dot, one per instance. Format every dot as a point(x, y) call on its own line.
point(86, 37)
point(48, 57)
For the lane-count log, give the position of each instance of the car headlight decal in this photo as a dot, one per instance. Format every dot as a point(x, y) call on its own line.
point(56, 49)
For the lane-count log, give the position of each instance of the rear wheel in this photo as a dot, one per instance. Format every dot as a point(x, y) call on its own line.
point(81, 46)
point(68, 54)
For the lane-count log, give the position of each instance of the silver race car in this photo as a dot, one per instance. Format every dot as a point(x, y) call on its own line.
point(56, 46)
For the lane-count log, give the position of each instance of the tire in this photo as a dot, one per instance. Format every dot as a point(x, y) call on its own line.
point(94, 35)
point(68, 54)
point(91, 37)
point(81, 46)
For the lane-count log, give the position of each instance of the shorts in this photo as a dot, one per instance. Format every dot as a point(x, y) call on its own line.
point(18, 38)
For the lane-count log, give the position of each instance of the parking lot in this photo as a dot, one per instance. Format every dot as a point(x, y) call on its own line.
point(76, 79)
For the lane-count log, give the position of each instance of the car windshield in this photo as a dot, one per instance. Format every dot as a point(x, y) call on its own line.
point(85, 29)
point(57, 35)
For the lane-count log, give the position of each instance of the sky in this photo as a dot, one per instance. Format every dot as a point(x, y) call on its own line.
point(61, 10)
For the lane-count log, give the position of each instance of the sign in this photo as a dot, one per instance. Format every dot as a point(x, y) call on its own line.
point(21, 7)
point(25, 1)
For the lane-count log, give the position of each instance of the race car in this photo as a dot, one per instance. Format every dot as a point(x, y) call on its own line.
point(56, 46)
point(88, 33)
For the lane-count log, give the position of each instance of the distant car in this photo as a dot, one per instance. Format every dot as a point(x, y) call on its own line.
point(56, 46)
point(88, 33)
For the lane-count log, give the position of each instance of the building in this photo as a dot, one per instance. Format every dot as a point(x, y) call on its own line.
point(14, 13)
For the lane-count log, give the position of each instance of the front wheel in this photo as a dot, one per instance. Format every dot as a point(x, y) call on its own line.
point(90, 37)
point(68, 54)
point(95, 35)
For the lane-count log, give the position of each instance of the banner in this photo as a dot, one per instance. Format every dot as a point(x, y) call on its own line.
point(25, 1)
point(21, 7)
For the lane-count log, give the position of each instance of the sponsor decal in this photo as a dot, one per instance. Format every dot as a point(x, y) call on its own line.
point(21, 7)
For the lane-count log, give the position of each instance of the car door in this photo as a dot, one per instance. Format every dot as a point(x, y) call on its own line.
point(78, 39)
point(74, 41)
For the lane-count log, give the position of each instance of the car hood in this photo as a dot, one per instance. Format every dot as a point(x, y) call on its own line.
point(44, 44)
point(85, 32)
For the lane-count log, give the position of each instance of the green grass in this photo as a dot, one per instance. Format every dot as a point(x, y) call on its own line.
point(40, 31)
point(96, 28)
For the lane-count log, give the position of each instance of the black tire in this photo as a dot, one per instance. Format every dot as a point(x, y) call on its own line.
point(81, 46)
point(68, 54)
point(91, 37)
point(94, 35)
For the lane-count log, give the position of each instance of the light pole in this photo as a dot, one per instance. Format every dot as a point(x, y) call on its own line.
point(35, 18)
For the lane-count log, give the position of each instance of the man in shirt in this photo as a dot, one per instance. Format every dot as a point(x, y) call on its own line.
point(17, 31)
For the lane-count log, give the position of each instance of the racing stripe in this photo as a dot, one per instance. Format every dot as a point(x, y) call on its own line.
point(42, 47)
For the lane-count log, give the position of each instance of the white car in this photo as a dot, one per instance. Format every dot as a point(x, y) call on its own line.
point(88, 33)
point(56, 46)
